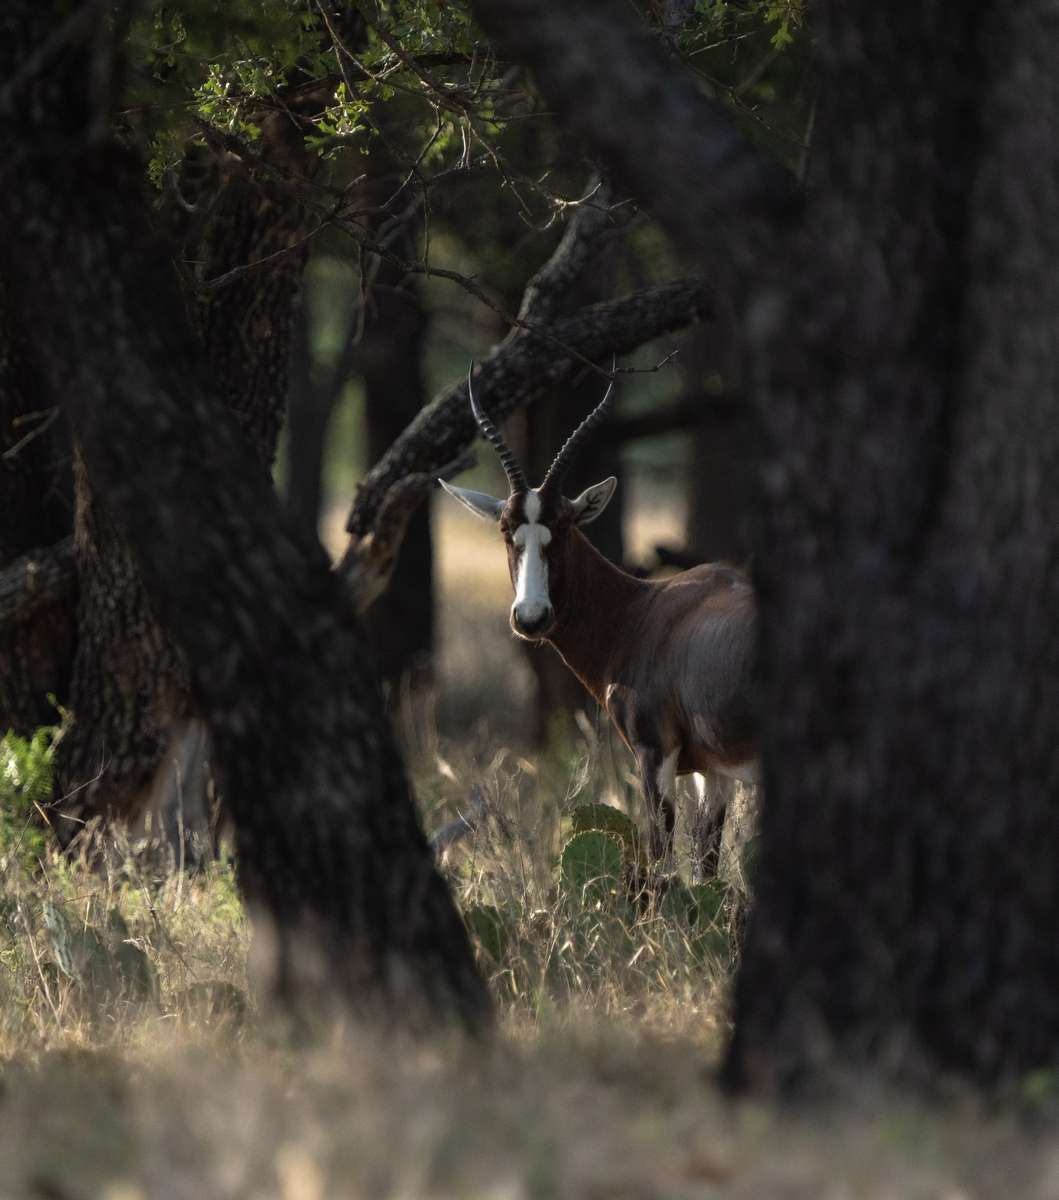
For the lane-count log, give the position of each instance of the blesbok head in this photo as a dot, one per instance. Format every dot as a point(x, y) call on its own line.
point(536, 522)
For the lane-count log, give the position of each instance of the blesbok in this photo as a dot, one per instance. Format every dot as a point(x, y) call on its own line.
point(669, 660)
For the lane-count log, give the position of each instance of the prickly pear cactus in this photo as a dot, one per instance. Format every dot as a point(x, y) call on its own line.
point(592, 868)
point(711, 917)
point(608, 819)
point(677, 903)
point(103, 969)
point(80, 953)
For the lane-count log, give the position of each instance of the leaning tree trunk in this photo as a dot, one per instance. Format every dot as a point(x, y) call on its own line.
point(336, 871)
point(904, 363)
point(134, 747)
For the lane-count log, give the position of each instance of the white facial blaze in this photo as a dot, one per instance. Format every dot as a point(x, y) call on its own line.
point(531, 580)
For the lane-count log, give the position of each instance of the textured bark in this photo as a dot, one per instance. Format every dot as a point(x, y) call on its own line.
point(129, 688)
point(246, 325)
point(904, 362)
point(909, 565)
point(37, 630)
point(129, 692)
point(37, 581)
point(38, 602)
point(334, 866)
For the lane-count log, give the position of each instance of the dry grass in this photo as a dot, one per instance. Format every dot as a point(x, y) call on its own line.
point(599, 1084)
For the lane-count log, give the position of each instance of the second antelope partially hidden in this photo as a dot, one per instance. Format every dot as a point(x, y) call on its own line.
point(670, 660)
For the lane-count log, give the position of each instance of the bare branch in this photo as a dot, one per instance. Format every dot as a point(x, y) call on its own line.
point(368, 562)
point(44, 419)
point(547, 290)
point(519, 370)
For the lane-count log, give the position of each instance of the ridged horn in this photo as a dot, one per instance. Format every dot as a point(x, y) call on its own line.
point(564, 460)
point(493, 435)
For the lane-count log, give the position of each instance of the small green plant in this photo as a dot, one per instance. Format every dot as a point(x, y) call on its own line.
point(25, 788)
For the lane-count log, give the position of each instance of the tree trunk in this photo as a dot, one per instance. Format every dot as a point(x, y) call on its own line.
point(722, 461)
point(909, 567)
point(389, 359)
point(336, 871)
point(133, 720)
point(311, 405)
point(35, 512)
point(129, 687)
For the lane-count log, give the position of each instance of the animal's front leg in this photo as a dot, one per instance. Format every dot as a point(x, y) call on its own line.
point(658, 778)
point(713, 793)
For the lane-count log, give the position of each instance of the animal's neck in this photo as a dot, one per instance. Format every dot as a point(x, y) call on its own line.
point(599, 611)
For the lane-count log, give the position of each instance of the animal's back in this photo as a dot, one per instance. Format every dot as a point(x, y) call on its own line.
point(706, 653)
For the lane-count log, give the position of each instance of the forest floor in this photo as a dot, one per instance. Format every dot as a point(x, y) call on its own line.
point(133, 1063)
point(159, 1081)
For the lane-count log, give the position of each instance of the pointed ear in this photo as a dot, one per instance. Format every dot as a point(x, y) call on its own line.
point(488, 508)
point(593, 501)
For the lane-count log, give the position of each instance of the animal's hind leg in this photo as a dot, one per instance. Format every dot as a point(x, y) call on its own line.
point(713, 794)
point(658, 777)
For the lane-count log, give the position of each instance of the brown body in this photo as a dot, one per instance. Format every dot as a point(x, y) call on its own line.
point(671, 661)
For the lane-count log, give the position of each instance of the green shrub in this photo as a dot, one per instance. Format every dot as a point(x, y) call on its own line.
point(25, 788)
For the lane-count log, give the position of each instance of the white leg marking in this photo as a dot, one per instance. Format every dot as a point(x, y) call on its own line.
point(667, 775)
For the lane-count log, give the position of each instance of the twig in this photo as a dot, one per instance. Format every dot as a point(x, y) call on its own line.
point(40, 970)
point(49, 415)
point(220, 281)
